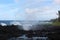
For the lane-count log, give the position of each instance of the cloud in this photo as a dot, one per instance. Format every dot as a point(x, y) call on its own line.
point(8, 12)
point(36, 1)
point(16, 1)
point(57, 1)
point(34, 10)
point(40, 13)
point(39, 10)
point(8, 15)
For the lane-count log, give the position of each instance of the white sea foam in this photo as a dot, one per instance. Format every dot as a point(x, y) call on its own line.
point(15, 23)
point(3, 24)
point(27, 26)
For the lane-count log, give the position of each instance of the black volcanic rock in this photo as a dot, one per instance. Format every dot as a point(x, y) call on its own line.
point(9, 31)
point(54, 33)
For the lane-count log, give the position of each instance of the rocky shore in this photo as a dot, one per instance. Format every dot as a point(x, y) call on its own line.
point(9, 31)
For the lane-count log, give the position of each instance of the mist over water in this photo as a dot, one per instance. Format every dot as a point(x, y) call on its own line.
point(25, 25)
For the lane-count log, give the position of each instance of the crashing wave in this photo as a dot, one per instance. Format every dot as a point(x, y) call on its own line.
point(15, 23)
point(3, 24)
point(18, 24)
point(27, 26)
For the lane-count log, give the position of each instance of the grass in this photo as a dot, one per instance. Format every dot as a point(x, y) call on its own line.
point(56, 23)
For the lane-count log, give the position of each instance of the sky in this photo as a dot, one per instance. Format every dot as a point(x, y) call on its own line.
point(29, 9)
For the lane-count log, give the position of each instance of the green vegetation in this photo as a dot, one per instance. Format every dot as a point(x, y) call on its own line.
point(57, 23)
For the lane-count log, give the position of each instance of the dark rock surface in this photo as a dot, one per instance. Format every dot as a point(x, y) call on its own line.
point(9, 31)
point(54, 33)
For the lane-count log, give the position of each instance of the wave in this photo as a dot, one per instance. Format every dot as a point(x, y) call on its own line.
point(3, 24)
point(15, 23)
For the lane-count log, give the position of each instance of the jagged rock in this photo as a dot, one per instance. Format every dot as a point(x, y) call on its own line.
point(9, 31)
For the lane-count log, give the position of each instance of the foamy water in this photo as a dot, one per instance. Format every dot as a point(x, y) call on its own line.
point(25, 25)
point(26, 38)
